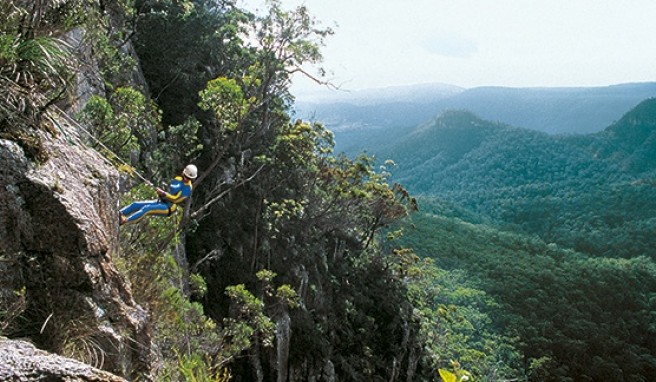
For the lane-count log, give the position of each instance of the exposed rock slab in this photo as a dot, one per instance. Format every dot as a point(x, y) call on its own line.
point(59, 232)
point(22, 361)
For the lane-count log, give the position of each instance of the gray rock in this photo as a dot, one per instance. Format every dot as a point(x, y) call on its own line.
point(58, 234)
point(22, 361)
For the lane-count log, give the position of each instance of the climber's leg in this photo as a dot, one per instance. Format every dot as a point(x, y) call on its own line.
point(137, 210)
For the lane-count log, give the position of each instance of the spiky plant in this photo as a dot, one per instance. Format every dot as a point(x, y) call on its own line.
point(32, 62)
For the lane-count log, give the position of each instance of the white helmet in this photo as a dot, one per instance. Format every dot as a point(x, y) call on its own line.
point(190, 171)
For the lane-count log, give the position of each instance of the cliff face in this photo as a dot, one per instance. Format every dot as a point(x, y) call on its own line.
point(21, 361)
point(59, 232)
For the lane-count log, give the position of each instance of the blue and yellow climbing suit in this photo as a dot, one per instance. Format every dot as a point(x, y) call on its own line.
point(179, 190)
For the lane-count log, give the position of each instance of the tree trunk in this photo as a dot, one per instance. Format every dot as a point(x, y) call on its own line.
point(413, 360)
point(257, 364)
point(283, 336)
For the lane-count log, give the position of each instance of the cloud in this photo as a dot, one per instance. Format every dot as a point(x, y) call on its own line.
point(476, 43)
point(449, 45)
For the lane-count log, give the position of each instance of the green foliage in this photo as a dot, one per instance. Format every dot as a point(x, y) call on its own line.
point(291, 231)
point(107, 29)
point(285, 230)
point(265, 275)
point(36, 63)
point(195, 368)
point(98, 114)
point(186, 336)
point(297, 228)
point(567, 309)
point(456, 323)
point(303, 208)
point(226, 100)
point(121, 123)
point(288, 296)
point(33, 59)
point(28, 50)
point(302, 143)
point(198, 285)
point(177, 146)
point(590, 193)
point(184, 44)
point(283, 296)
point(251, 320)
point(457, 376)
point(287, 40)
point(33, 65)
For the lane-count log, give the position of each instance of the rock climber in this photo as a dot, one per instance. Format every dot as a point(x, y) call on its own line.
point(179, 190)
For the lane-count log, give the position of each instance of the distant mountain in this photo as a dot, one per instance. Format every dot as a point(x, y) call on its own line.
point(593, 193)
point(362, 120)
point(554, 110)
point(633, 138)
point(559, 230)
point(419, 93)
point(363, 117)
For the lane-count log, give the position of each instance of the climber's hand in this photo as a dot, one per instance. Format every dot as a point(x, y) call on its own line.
point(160, 192)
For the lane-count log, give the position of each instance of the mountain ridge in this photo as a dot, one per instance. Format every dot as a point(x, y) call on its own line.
point(566, 189)
point(558, 110)
point(378, 95)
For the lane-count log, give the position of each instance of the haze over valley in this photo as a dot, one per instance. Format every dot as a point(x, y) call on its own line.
point(394, 111)
point(544, 197)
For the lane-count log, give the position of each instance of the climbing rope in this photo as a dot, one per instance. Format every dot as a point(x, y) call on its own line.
point(128, 168)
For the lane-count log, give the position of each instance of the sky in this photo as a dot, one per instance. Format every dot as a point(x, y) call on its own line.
point(471, 43)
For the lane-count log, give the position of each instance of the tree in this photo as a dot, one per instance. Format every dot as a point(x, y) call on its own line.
point(272, 196)
point(184, 44)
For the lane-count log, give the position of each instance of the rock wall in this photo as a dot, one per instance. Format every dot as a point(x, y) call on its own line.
point(22, 361)
point(59, 231)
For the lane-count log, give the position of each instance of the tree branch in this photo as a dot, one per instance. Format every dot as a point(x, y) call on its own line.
point(215, 199)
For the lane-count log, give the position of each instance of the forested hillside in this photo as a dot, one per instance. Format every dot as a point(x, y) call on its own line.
point(576, 317)
point(592, 193)
point(558, 230)
point(533, 254)
point(392, 112)
point(279, 268)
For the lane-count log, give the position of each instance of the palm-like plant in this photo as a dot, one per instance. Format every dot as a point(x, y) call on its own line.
point(32, 61)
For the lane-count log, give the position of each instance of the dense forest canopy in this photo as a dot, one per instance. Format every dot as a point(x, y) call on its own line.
point(593, 193)
point(557, 229)
point(533, 257)
point(576, 317)
point(278, 270)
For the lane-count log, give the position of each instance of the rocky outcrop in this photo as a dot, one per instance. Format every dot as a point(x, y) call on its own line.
point(58, 231)
point(22, 361)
